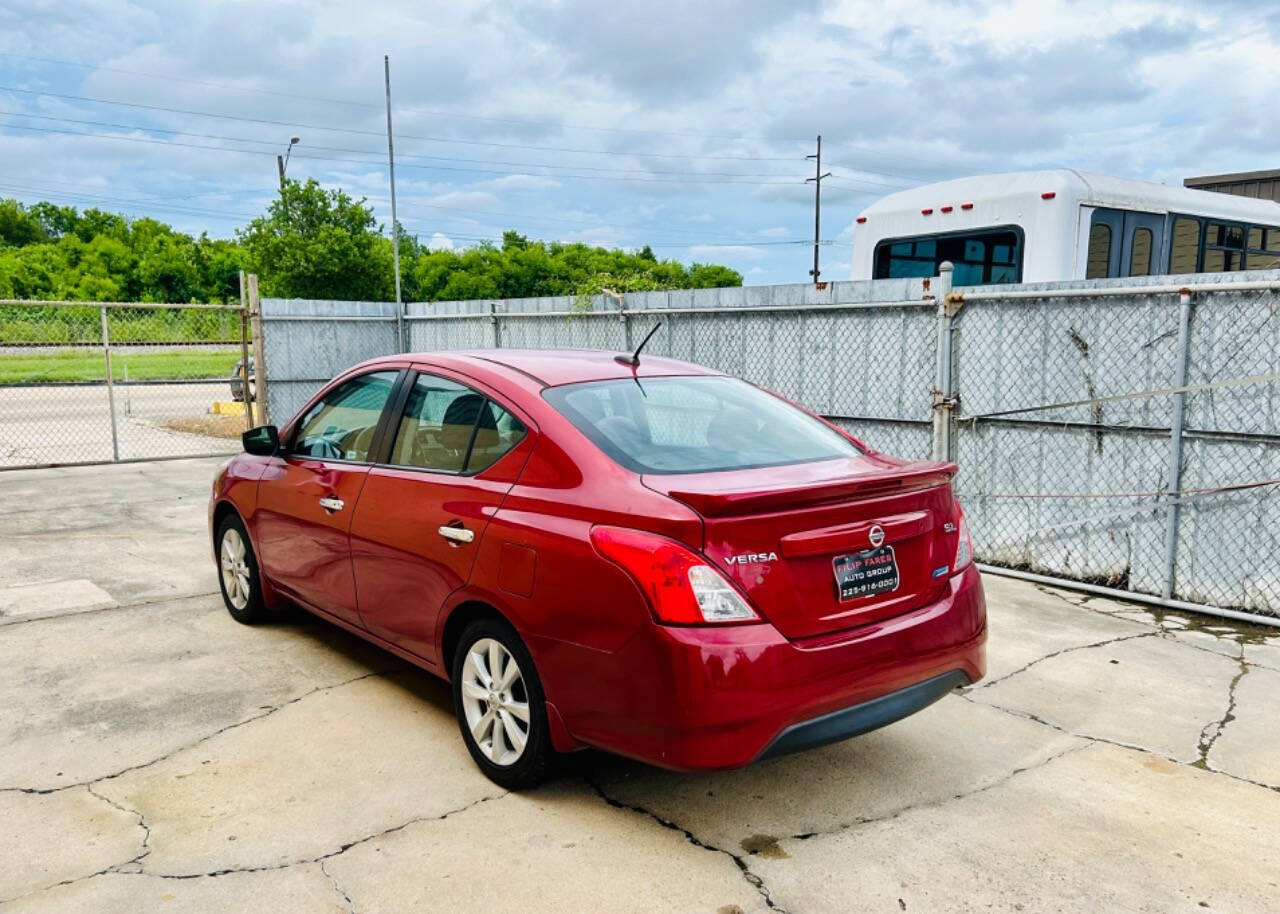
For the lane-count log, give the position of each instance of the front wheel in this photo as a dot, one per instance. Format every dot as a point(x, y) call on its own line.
point(500, 706)
point(238, 572)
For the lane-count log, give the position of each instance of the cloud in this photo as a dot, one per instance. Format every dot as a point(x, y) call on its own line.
point(654, 50)
point(521, 182)
point(440, 242)
point(462, 199)
point(728, 252)
point(931, 91)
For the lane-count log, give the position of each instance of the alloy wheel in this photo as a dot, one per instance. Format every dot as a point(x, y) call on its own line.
point(235, 569)
point(495, 701)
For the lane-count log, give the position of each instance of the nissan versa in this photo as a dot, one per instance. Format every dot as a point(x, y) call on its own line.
point(626, 552)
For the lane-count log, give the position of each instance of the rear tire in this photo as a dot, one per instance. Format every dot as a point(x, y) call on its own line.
point(500, 706)
point(238, 572)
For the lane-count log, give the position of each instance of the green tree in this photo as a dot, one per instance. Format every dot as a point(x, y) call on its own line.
point(311, 243)
point(317, 243)
point(19, 226)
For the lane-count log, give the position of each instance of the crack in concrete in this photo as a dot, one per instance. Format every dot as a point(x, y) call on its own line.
point(1027, 715)
point(351, 905)
point(145, 847)
point(213, 874)
point(1217, 726)
point(341, 849)
point(888, 817)
point(267, 711)
point(754, 880)
point(1058, 653)
point(1085, 602)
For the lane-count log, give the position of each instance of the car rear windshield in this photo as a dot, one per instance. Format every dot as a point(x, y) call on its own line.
point(695, 424)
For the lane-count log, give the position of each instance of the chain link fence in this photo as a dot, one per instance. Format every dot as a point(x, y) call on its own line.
point(91, 383)
point(1106, 432)
point(1126, 436)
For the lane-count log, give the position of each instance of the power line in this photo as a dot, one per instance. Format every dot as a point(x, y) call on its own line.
point(435, 139)
point(352, 130)
point(523, 122)
point(94, 191)
point(80, 197)
point(274, 144)
point(94, 199)
point(367, 162)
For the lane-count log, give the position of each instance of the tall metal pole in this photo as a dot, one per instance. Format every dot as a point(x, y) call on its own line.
point(261, 393)
point(817, 203)
point(1176, 421)
point(280, 170)
point(245, 390)
point(395, 224)
point(111, 394)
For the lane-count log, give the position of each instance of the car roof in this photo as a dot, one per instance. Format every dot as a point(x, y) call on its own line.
point(552, 367)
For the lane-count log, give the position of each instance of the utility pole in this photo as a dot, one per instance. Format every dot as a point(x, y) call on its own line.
point(817, 202)
point(282, 161)
point(395, 224)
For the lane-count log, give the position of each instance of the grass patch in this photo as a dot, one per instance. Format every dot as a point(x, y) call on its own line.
point(88, 365)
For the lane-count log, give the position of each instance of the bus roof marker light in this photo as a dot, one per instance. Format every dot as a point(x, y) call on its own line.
point(946, 209)
point(966, 206)
point(927, 211)
point(861, 219)
point(1048, 195)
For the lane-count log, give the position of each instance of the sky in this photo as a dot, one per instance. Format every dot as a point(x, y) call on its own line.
point(680, 125)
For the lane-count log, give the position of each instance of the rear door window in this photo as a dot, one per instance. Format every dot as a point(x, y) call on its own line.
point(695, 424)
point(450, 428)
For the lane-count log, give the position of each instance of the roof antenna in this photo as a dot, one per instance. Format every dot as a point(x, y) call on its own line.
point(634, 359)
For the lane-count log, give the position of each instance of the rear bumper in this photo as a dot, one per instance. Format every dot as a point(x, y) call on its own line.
point(863, 718)
point(710, 698)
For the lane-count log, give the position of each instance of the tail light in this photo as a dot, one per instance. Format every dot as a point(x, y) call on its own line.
point(964, 546)
point(682, 589)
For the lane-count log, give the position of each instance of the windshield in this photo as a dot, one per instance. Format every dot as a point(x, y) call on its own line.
point(695, 425)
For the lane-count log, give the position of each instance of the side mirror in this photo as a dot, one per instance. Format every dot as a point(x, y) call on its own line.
point(263, 440)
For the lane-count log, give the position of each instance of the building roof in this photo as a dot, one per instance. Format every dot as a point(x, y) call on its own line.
point(1100, 190)
point(1239, 177)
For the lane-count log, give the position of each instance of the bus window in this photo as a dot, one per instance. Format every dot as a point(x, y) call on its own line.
point(1223, 248)
point(1185, 247)
point(1140, 258)
point(1264, 248)
point(980, 257)
point(1099, 250)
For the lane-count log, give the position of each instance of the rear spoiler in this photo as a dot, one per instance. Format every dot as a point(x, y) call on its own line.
point(922, 474)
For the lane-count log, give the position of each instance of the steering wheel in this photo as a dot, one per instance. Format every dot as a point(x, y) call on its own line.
point(323, 447)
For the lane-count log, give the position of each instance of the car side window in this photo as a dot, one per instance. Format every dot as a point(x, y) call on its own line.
point(492, 441)
point(341, 425)
point(450, 428)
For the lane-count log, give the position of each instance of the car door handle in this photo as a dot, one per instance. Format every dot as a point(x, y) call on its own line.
point(456, 534)
point(332, 504)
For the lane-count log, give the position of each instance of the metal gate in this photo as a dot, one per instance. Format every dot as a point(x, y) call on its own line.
point(89, 382)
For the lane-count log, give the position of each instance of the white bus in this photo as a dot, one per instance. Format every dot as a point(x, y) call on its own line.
point(1038, 226)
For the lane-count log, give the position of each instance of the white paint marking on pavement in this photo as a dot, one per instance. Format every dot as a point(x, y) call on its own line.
point(52, 598)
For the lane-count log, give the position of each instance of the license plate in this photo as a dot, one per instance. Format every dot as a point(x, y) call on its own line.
point(862, 574)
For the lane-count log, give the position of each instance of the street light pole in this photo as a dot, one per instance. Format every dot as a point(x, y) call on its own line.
point(282, 162)
point(395, 223)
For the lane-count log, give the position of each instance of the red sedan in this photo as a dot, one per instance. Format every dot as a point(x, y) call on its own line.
point(648, 557)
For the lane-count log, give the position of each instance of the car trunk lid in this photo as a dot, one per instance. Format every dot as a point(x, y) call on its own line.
point(830, 545)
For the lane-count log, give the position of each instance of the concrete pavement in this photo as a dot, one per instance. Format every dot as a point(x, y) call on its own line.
point(159, 756)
